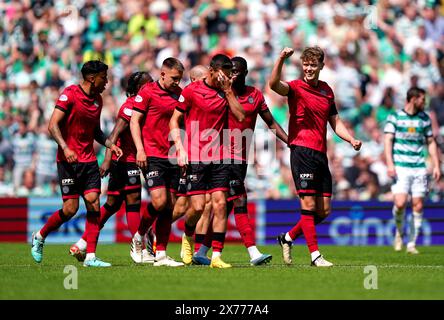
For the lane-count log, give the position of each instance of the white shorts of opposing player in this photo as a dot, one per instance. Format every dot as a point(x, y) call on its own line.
point(411, 181)
point(414, 182)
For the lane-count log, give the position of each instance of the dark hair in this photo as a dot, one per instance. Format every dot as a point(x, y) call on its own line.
point(93, 67)
point(241, 61)
point(311, 53)
point(221, 61)
point(133, 84)
point(173, 63)
point(414, 92)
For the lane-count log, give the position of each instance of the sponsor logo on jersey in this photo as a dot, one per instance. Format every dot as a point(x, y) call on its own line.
point(192, 177)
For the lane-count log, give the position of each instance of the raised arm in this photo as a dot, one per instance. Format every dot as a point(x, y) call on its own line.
point(273, 125)
point(54, 130)
point(275, 82)
point(136, 134)
point(339, 128)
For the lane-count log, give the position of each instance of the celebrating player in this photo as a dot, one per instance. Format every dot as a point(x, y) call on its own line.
point(154, 106)
point(311, 106)
point(206, 104)
point(74, 124)
point(253, 102)
point(406, 133)
point(124, 181)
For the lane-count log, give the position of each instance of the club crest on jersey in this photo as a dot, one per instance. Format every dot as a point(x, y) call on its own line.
point(323, 92)
point(133, 180)
point(304, 184)
point(138, 99)
point(181, 98)
point(128, 112)
point(412, 130)
point(63, 97)
point(250, 100)
point(221, 94)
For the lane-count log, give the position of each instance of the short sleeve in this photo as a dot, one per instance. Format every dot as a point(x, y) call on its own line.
point(390, 125)
point(333, 109)
point(142, 101)
point(292, 88)
point(262, 105)
point(125, 112)
point(65, 100)
point(184, 101)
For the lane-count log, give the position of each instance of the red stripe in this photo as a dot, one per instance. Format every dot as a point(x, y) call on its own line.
point(155, 188)
point(236, 197)
point(74, 196)
point(113, 193)
point(174, 191)
point(326, 194)
point(196, 192)
point(307, 191)
point(181, 194)
point(132, 187)
point(217, 189)
point(91, 190)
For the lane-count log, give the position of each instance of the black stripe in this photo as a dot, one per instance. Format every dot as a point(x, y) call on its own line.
point(308, 212)
point(138, 110)
point(219, 236)
point(133, 207)
point(180, 109)
point(242, 209)
point(61, 109)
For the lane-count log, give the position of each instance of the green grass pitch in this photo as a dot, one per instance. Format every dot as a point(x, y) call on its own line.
point(399, 276)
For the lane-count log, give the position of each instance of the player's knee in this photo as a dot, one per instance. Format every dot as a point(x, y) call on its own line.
point(70, 209)
point(418, 207)
point(219, 205)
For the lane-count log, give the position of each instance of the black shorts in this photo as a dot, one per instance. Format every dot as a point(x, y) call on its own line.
point(237, 181)
point(124, 177)
point(310, 172)
point(79, 178)
point(207, 178)
point(162, 174)
point(182, 187)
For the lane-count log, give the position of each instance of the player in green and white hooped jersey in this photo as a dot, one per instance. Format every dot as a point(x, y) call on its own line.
point(406, 133)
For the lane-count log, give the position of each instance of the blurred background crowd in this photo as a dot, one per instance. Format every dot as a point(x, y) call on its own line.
point(375, 50)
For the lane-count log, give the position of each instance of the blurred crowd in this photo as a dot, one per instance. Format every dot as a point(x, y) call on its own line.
point(375, 50)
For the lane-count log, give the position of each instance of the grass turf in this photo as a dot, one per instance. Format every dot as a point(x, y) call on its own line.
point(400, 276)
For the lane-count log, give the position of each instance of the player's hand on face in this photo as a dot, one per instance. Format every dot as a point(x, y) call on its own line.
point(104, 168)
point(117, 151)
point(391, 171)
point(70, 155)
point(141, 160)
point(286, 53)
point(356, 144)
point(436, 174)
point(224, 81)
